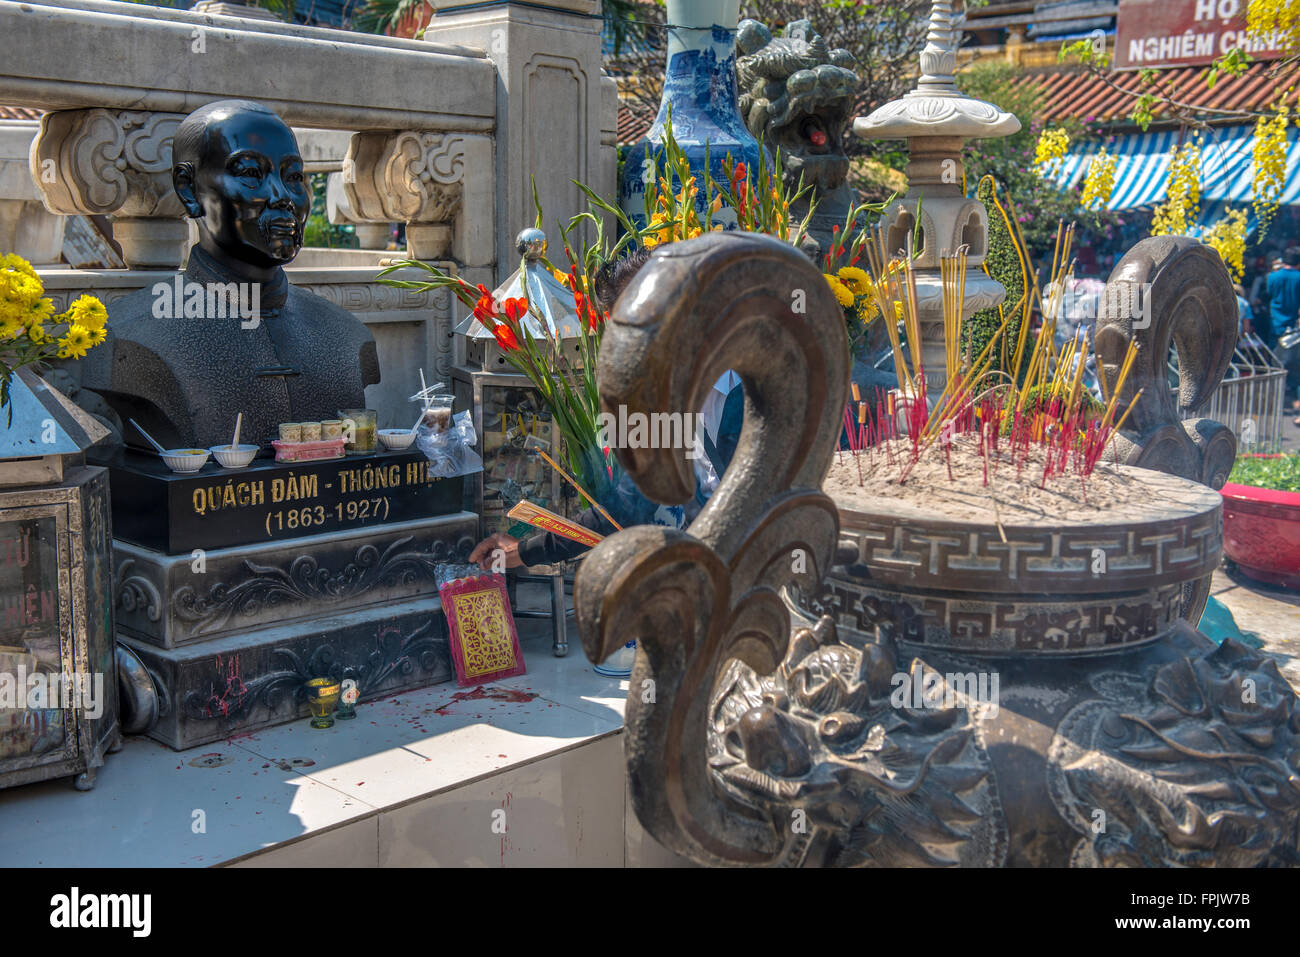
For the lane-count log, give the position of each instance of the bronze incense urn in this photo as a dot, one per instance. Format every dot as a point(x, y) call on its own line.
point(832, 683)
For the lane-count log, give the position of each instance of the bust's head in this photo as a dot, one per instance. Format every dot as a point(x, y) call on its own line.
point(239, 173)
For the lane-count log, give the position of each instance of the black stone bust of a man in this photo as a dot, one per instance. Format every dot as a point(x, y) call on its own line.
point(230, 334)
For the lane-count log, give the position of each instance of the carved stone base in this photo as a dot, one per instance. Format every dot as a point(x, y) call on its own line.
point(174, 600)
point(213, 689)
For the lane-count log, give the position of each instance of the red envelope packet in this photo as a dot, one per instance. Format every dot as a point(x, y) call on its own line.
point(484, 642)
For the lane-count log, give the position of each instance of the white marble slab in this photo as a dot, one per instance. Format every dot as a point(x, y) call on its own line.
point(141, 812)
point(316, 795)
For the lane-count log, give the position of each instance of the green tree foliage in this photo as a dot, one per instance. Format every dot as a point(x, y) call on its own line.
point(1034, 200)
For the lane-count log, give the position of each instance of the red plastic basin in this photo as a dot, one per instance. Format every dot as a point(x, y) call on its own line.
point(1261, 533)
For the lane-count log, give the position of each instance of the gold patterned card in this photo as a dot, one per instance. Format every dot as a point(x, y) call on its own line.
point(484, 642)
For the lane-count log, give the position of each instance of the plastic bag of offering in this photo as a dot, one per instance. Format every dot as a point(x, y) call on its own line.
point(448, 443)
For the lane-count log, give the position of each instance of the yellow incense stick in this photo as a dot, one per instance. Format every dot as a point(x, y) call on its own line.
point(585, 494)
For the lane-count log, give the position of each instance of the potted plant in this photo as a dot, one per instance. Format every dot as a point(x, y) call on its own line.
point(1261, 518)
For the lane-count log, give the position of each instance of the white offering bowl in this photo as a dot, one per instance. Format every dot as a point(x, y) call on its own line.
point(234, 456)
point(396, 438)
point(185, 460)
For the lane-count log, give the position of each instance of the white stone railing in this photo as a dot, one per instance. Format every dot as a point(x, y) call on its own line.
point(443, 134)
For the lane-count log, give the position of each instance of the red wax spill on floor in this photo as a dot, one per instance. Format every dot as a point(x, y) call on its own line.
point(485, 692)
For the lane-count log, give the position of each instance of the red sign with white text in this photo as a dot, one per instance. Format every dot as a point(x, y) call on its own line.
point(1161, 33)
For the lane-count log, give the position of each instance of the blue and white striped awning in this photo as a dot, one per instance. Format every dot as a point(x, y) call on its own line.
point(1142, 167)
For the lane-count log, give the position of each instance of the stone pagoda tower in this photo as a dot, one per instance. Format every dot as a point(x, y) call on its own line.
point(935, 119)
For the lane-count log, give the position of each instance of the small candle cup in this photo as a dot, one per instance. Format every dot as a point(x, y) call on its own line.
point(331, 429)
point(348, 700)
point(322, 699)
point(361, 425)
point(290, 431)
point(311, 431)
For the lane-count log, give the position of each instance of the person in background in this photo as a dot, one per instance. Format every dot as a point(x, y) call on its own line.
point(722, 417)
point(1284, 310)
point(1245, 325)
point(1259, 296)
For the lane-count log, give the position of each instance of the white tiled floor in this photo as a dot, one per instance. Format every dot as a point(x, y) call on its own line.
point(376, 789)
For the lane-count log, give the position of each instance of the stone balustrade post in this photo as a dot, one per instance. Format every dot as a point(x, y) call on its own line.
point(549, 122)
point(439, 184)
point(115, 163)
point(26, 228)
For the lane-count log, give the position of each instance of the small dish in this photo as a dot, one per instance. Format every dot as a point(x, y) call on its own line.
point(395, 439)
point(185, 460)
point(234, 457)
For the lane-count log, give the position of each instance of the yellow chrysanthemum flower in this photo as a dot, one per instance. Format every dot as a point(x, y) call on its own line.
point(37, 334)
point(74, 343)
point(20, 289)
point(97, 336)
point(12, 262)
point(10, 328)
point(856, 279)
point(88, 312)
point(38, 313)
point(842, 294)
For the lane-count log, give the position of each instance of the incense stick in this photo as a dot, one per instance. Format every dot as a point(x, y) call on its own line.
point(585, 494)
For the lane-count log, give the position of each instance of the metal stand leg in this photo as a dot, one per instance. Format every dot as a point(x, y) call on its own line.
point(560, 641)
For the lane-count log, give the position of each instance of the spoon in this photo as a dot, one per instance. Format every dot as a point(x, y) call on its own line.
point(161, 450)
point(239, 421)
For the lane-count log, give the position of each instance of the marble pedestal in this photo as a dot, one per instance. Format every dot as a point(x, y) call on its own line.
point(230, 647)
point(235, 587)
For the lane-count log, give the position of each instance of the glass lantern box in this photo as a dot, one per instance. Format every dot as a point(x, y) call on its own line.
point(58, 677)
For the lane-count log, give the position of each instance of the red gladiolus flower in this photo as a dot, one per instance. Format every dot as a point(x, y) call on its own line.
point(486, 310)
point(506, 336)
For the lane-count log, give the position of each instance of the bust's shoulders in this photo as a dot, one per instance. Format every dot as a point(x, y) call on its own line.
point(326, 314)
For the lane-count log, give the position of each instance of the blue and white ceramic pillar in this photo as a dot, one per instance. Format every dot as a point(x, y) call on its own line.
point(700, 90)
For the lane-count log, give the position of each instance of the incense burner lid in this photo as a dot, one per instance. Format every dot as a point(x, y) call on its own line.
point(936, 113)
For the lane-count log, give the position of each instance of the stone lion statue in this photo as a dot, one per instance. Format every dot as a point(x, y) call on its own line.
point(796, 94)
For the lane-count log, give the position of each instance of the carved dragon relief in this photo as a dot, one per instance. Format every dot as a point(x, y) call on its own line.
point(695, 599)
point(1198, 770)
